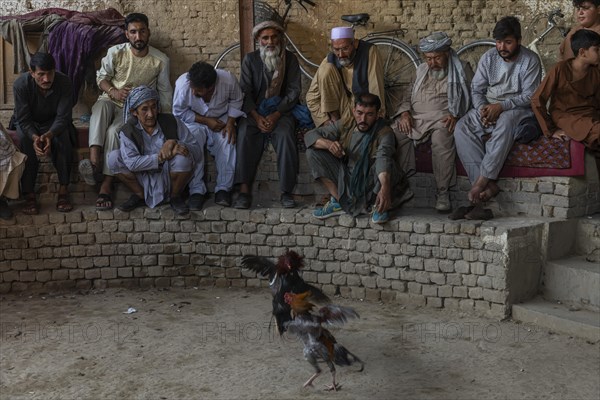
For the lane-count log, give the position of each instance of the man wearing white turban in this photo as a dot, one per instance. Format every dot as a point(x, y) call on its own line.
point(440, 95)
point(352, 67)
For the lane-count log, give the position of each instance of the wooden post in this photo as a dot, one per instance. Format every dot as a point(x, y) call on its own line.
point(246, 25)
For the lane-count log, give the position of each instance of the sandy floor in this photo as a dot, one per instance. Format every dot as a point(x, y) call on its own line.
point(215, 344)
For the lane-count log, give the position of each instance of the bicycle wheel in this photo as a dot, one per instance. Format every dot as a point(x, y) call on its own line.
point(229, 59)
point(472, 52)
point(400, 64)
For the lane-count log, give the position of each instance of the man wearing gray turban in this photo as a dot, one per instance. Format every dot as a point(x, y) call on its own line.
point(157, 154)
point(439, 96)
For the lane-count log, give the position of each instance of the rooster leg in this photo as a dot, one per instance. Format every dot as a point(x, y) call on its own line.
point(334, 386)
point(311, 379)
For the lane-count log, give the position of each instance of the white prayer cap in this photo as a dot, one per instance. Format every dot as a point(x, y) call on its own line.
point(342, 32)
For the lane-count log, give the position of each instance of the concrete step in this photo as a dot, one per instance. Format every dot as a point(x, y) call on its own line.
point(572, 280)
point(588, 238)
point(558, 318)
point(561, 237)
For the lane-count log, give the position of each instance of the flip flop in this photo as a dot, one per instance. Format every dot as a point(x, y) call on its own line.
point(460, 212)
point(63, 204)
point(104, 198)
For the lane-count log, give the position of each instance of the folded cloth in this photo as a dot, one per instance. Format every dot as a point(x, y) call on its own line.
point(300, 112)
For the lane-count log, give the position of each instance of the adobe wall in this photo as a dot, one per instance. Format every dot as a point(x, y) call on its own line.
point(191, 30)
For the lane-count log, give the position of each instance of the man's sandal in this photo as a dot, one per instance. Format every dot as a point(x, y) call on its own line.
point(31, 206)
point(104, 202)
point(63, 204)
point(132, 203)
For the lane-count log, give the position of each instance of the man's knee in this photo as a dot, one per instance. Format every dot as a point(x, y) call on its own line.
point(181, 163)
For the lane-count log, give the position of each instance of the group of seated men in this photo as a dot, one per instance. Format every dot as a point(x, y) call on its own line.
point(361, 158)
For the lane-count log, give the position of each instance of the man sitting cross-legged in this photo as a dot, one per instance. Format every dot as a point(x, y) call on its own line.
point(157, 154)
point(356, 165)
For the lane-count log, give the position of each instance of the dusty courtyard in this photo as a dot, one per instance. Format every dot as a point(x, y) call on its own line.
point(216, 344)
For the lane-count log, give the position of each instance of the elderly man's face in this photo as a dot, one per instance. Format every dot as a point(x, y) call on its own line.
point(269, 38)
point(365, 117)
point(437, 60)
point(344, 50)
point(146, 113)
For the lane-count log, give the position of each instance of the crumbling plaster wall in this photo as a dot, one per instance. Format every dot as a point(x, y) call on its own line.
point(191, 30)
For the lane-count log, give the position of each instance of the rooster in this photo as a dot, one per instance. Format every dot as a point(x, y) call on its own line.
point(319, 343)
point(284, 277)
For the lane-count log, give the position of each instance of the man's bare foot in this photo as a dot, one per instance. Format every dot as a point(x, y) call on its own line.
point(475, 193)
point(490, 191)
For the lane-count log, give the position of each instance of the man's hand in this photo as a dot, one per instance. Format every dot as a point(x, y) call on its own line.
point(336, 149)
point(229, 131)
point(42, 144)
point(272, 120)
point(405, 122)
point(119, 94)
point(450, 123)
point(561, 135)
point(214, 124)
point(383, 202)
point(181, 150)
point(490, 113)
point(262, 123)
point(167, 151)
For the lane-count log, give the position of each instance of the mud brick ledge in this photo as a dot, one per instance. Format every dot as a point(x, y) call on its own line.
point(417, 258)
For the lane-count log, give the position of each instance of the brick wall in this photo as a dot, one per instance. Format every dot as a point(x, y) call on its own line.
point(423, 260)
point(190, 30)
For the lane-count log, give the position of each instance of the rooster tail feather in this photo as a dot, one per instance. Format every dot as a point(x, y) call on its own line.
point(343, 356)
point(282, 319)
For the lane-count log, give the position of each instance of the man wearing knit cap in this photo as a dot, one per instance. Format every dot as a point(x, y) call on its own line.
point(440, 95)
point(270, 79)
point(352, 67)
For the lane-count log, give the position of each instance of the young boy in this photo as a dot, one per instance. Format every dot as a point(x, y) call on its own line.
point(573, 88)
point(588, 15)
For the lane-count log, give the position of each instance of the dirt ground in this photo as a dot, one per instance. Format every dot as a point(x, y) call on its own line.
point(216, 344)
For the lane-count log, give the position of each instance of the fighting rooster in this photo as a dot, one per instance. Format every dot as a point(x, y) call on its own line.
point(284, 277)
point(319, 343)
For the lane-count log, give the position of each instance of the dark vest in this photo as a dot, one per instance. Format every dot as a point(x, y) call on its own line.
point(360, 75)
point(167, 122)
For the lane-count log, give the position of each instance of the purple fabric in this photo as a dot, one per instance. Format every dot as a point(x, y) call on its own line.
point(74, 47)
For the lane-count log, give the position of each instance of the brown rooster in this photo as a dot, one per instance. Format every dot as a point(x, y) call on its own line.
point(319, 343)
point(284, 277)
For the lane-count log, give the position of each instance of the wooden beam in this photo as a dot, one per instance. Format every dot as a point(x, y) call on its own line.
point(246, 25)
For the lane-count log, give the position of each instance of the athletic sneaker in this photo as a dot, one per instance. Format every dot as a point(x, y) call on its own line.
point(380, 218)
point(330, 209)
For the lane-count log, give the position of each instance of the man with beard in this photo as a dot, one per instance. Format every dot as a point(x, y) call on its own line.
point(504, 82)
point(124, 67)
point(440, 95)
point(356, 164)
point(270, 79)
point(43, 106)
point(352, 67)
point(209, 101)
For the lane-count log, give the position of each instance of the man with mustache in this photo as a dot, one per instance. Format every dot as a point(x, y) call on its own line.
point(356, 164)
point(440, 95)
point(352, 67)
point(504, 82)
point(43, 105)
point(271, 82)
point(124, 67)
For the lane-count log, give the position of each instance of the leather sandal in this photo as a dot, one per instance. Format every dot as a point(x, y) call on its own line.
point(63, 204)
point(31, 206)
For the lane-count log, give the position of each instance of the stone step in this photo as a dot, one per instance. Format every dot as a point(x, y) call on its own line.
point(561, 237)
point(558, 318)
point(588, 238)
point(572, 280)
